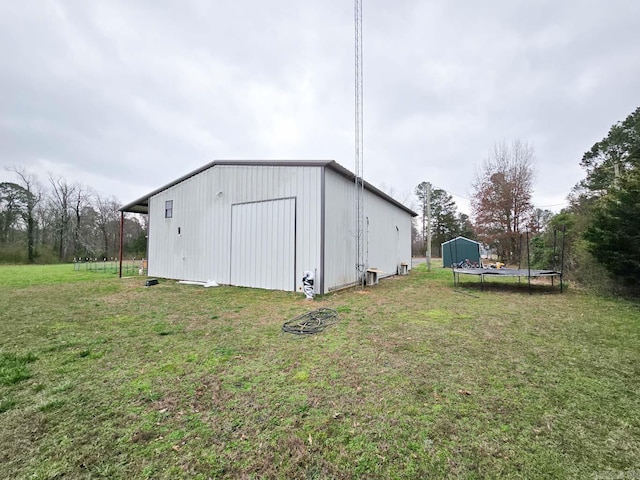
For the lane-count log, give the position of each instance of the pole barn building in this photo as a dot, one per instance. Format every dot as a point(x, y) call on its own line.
point(264, 223)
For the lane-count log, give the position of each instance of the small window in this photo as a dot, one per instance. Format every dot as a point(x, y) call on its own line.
point(168, 209)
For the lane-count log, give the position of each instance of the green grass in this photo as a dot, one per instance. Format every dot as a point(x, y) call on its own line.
point(20, 276)
point(14, 368)
point(416, 380)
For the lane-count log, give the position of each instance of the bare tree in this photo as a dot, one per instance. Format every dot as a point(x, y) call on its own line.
point(80, 202)
point(403, 196)
point(501, 201)
point(63, 220)
point(62, 196)
point(45, 214)
point(107, 222)
point(540, 219)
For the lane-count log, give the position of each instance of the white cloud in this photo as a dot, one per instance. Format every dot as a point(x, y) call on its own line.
point(131, 95)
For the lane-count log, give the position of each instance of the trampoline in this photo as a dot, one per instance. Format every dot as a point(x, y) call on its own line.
point(527, 273)
point(505, 272)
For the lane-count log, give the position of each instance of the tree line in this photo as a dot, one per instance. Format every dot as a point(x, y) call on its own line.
point(58, 221)
point(600, 228)
point(55, 220)
point(501, 204)
point(446, 221)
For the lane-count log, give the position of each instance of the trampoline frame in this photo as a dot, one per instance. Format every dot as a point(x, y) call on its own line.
point(516, 272)
point(505, 272)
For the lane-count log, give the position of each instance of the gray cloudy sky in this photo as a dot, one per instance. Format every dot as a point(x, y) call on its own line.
point(126, 96)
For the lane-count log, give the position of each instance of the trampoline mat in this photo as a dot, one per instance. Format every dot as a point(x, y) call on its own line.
point(507, 272)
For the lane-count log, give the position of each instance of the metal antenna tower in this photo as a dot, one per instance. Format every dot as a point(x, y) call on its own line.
point(359, 182)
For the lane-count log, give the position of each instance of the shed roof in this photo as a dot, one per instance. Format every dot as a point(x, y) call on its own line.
point(461, 238)
point(141, 205)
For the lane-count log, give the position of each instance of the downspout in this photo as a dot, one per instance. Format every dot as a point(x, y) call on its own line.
point(121, 242)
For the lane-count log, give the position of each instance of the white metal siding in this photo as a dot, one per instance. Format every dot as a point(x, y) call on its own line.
point(340, 247)
point(387, 233)
point(263, 244)
point(202, 209)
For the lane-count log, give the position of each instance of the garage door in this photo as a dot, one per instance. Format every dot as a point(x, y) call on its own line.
point(263, 244)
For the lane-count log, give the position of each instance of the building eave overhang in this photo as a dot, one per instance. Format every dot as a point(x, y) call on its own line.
point(141, 205)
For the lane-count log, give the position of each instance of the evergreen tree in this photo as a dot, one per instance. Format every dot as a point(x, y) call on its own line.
point(612, 157)
point(614, 234)
point(444, 221)
point(606, 204)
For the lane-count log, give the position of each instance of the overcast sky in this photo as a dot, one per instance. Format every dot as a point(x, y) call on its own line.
point(126, 96)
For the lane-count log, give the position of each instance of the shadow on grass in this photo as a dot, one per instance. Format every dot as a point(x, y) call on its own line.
point(511, 287)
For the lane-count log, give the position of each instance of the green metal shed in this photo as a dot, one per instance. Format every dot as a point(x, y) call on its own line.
point(459, 249)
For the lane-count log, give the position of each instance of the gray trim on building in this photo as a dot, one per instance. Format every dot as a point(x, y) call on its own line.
point(141, 205)
point(322, 226)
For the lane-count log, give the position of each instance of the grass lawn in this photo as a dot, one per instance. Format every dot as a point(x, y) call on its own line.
point(102, 377)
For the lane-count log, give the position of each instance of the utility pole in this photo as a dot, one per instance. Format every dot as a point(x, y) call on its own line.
point(428, 227)
point(361, 261)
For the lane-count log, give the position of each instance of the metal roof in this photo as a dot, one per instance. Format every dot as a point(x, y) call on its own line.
point(141, 205)
point(460, 238)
